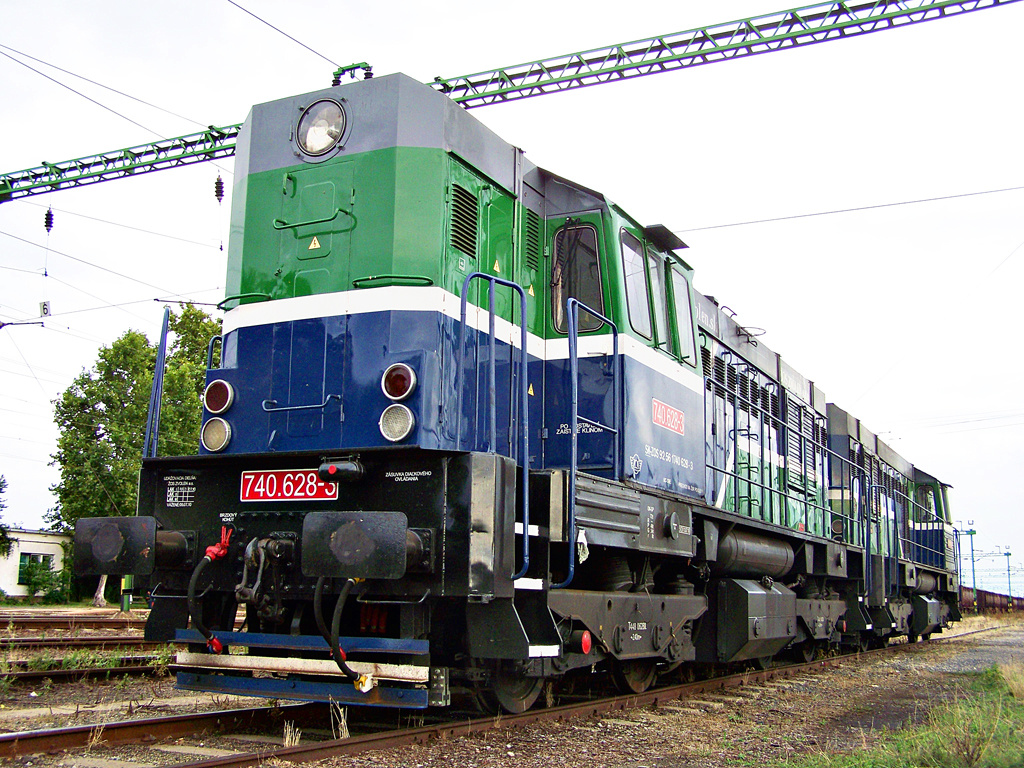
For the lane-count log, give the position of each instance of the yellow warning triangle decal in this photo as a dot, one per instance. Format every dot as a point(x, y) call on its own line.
point(531, 291)
point(497, 269)
point(314, 245)
point(530, 390)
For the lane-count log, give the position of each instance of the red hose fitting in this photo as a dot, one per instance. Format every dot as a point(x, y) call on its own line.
point(215, 645)
point(219, 550)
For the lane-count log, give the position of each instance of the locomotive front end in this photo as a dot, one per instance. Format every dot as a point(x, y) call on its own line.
point(337, 593)
point(341, 514)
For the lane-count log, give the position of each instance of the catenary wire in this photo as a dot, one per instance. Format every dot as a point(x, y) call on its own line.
point(101, 85)
point(79, 93)
point(118, 224)
point(851, 210)
point(264, 21)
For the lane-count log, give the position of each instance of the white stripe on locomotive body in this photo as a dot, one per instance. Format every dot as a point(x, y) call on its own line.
point(435, 299)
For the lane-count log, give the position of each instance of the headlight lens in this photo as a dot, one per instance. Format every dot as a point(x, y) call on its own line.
point(398, 381)
point(216, 435)
point(219, 396)
point(396, 422)
point(321, 127)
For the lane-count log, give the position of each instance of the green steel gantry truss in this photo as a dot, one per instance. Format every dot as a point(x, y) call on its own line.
point(705, 45)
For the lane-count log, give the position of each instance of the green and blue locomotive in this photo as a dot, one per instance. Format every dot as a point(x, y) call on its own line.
point(473, 429)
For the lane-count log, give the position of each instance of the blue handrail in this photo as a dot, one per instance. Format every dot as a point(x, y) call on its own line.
point(524, 431)
point(573, 307)
point(149, 443)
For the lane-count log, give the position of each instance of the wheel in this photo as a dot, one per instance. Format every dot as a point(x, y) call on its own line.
point(864, 642)
point(510, 691)
point(806, 651)
point(762, 662)
point(634, 676)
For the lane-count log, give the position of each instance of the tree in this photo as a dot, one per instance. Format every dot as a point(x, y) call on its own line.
point(102, 419)
point(38, 576)
point(6, 542)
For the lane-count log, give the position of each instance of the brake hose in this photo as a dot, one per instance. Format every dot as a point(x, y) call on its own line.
point(213, 552)
point(331, 635)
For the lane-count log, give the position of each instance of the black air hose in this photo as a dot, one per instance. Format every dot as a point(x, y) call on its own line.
point(331, 635)
point(195, 610)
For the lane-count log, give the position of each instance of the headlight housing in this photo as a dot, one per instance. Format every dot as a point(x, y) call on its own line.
point(321, 127)
point(218, 396)
point(216, 435)
point(397, 422)
point(398, 381)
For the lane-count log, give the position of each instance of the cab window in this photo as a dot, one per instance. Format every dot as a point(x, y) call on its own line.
point(635, 277)
point(685, 347)
point(576, 274)
point(656, 269)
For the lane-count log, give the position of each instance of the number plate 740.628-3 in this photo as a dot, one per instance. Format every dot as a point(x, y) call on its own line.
point(285, 485)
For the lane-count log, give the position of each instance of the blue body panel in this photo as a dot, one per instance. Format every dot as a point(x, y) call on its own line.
point(327, 372)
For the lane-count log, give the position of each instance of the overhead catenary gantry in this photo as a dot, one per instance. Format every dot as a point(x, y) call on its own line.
point(778, 31)
point(705, 45)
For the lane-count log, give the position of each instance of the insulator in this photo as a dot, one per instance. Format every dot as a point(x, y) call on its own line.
point(368, 73)
point(218, 188)
point(48, 220)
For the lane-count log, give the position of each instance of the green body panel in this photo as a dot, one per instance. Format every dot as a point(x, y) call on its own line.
point(329, 227)
point(759, 491)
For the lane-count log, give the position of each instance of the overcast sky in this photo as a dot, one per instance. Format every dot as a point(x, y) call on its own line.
point(907, 315)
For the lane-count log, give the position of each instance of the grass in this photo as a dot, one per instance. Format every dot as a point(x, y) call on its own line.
point(982, 728)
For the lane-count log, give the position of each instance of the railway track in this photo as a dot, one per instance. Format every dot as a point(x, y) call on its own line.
point(73, 622)
point(272, 719)
point(99, 643)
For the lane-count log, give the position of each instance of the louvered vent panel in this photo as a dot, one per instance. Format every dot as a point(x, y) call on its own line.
point(464, 220)
point(720, 370)
point(532, 240)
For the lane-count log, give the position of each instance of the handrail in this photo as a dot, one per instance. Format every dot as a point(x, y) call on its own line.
point(912, 527)
point(524, 432)
point(150, 441)
point(271, 406)
point(572, 307)
point(209, 350)
point(412, 279)
point(237, 296)
point(280, 225)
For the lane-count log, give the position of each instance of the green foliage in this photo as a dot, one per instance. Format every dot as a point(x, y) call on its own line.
point(6, 542)
point(102, 418)
point(39, 576)
point(981, 727)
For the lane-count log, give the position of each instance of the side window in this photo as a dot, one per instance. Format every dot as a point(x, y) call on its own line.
point(684, 317)
point(656, 270)
point(25, 559)
point(576, 274)
point(635, 278)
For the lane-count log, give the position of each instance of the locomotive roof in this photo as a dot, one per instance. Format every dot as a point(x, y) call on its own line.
point(383, 112)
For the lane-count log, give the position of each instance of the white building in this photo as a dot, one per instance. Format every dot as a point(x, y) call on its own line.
point(29, 545)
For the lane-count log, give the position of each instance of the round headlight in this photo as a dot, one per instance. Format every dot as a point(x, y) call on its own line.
point(320, 127)
point(398, 381)
point(218, 396)
point(396, 422)
point(216, 435)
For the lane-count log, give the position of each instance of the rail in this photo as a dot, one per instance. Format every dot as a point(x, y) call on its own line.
point(823, 491)
point(573, 307)
point(523, 443)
